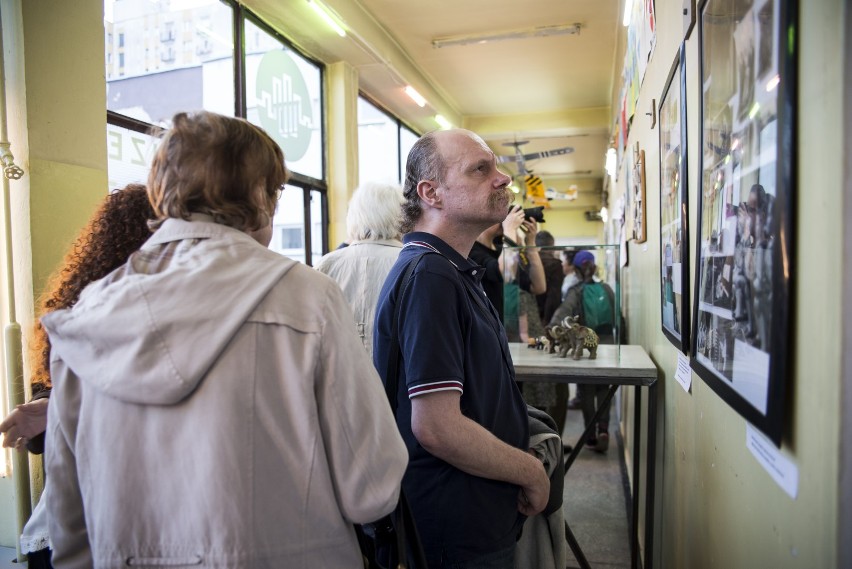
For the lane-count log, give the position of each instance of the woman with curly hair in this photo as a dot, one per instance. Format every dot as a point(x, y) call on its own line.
point(117, 229)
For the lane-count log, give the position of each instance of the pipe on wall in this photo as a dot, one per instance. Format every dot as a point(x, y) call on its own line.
point(12, 344)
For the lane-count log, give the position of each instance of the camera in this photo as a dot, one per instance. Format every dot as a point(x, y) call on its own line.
point(532, 213)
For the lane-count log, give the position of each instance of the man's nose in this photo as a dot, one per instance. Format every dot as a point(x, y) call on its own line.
point(503, 179)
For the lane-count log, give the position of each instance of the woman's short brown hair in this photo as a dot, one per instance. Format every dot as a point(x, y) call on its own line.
point(222, 166)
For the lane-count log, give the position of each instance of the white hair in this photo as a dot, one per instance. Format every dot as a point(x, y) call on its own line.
point(374, 212)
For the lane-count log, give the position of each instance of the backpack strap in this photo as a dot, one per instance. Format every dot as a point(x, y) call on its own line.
point(392, 370)
point(407, 537)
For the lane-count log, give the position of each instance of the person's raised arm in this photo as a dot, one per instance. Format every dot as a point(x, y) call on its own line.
point(538, 282)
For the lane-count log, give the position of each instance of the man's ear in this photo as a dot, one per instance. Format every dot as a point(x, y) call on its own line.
point(427, 191)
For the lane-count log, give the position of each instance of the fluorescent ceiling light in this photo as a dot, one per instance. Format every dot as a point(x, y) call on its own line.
point(540, 31)
point(326, 15)
point(415, 96)
point(443, 123)
point(628, 9)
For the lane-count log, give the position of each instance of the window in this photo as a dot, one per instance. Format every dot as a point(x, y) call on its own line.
point(292, 237)
point(160, 77)
point(378, 144)
point(295, 224)
point(407, 138)
point(129, 155)
point(152, 90)
point(283, 92)
point(383, 144)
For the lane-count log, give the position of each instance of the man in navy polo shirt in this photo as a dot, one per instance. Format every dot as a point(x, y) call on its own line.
point(470, 481)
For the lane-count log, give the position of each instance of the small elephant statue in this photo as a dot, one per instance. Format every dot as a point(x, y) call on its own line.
point(562, 337)
point(581, 337)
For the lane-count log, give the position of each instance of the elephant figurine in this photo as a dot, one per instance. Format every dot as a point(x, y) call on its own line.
point(559, 336)
point(581, 337)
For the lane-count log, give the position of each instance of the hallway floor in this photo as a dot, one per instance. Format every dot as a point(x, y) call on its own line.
point(594, 499)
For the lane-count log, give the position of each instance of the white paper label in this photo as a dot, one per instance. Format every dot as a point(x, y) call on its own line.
point(683, 373)
point(783, 470)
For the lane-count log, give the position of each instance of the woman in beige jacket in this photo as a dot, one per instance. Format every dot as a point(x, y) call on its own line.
point(212, 403)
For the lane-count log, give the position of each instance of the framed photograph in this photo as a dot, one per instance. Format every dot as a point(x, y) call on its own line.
point(637, 185)
point(674, 216)
point(744, 263)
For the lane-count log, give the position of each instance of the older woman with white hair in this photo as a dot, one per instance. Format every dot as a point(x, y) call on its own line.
point(372, 224)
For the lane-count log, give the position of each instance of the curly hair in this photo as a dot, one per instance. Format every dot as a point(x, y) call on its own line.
point(116, 230)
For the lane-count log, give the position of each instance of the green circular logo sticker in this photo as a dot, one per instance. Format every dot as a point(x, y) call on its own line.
point(283, 104)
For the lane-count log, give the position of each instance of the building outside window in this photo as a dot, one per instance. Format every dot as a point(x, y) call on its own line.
point(193, 67)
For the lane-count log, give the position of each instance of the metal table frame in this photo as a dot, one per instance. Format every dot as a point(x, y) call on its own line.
point(614, 366)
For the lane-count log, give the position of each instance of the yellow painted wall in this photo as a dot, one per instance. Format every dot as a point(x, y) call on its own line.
point(718, 506)
point(57, 128)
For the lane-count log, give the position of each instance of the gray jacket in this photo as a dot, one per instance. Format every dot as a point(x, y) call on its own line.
point(213, 406)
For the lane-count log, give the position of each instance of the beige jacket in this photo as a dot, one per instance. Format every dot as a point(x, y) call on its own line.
point(213, 407)
point(360, 270)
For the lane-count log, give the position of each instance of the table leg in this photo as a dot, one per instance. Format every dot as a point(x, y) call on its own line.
point(650, 477)
point(589, 428)
point(575, 548)
point(637, 441)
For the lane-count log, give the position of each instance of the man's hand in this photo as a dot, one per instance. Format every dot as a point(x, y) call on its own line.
point(23, 423)
point(533, 496)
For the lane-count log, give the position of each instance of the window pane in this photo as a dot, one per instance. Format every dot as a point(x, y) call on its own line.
point(378, 148)
point(166, 57)
point(288, 226)
point(283, 96)
point(407, 138)
point(129, 155)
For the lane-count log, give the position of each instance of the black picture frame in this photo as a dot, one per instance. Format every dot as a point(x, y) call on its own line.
point(744, 262)
point(674, 207)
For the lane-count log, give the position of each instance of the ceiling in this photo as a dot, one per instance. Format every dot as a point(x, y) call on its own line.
point(553, 91)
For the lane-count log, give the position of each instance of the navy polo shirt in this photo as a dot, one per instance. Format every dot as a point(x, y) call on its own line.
point(449, 342)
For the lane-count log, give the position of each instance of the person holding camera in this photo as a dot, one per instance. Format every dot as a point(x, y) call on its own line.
point(501, 279)
point(470, 480)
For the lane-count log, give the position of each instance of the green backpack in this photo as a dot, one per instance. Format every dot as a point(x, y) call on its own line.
point(597, 308)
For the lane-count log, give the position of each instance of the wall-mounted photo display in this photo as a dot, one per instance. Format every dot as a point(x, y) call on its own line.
point(744, 264)
point(674, 216)
point(637, 189)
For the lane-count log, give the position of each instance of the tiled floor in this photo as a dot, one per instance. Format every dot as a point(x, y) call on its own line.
point(594, 501)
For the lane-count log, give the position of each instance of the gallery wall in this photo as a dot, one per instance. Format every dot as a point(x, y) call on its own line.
point(719, 506)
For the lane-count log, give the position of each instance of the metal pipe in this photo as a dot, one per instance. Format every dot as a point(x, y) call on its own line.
point(12, 345)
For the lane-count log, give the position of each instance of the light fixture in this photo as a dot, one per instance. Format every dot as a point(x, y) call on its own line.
point(604, 214)
point(443, 122)
point(540, 31)
point(628, 11)
point(610, 161)
point(326, 15)
point(415, 96)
